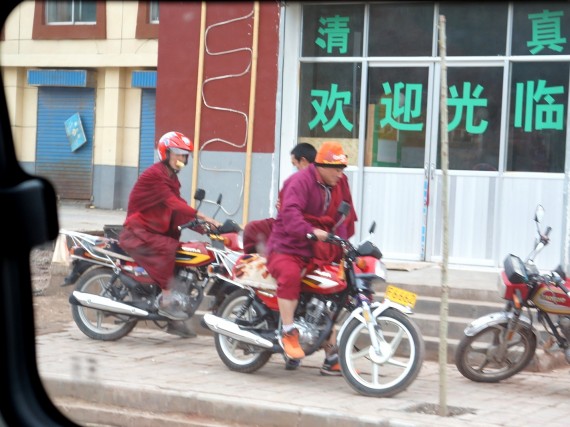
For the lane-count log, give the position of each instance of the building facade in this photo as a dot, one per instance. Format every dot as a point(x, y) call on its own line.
point(248, 80)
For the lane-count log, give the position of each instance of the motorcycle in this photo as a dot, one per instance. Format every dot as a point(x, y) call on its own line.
point(380, 348)
point(499, 345)
point(112, 292)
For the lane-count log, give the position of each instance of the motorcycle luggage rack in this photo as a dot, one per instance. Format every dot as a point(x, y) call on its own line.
point(88, 242)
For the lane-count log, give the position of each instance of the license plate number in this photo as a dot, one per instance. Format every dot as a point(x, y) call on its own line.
point(400, 296)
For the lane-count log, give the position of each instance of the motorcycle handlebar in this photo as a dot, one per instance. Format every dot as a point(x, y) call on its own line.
point(190, 224)
point(194, 223)
point(229, 226)
point(331, 238)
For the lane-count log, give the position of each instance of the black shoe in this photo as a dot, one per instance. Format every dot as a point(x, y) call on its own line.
point(291, 364)
point(180, 328)
point(171, 308)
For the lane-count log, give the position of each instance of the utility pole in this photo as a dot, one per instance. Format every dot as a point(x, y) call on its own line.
point(444, 308)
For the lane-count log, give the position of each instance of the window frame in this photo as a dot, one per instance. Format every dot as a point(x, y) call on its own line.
point(44, 31)
point(145, 28)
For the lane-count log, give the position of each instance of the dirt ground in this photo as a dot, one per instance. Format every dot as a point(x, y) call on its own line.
point(52, 311)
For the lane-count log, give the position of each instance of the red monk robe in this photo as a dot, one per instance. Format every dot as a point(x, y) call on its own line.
point(150, 234)
point(257, 232)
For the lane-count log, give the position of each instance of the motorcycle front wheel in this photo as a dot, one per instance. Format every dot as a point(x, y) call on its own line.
point(392, 369)
point(479, 357)
point(236, 355)
point(98, 324)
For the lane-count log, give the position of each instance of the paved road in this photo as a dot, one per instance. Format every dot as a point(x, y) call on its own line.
point(151, 371)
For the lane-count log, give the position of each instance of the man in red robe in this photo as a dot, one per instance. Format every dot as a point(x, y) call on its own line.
point(150, 232)
point(256, 233)
point(309, 203)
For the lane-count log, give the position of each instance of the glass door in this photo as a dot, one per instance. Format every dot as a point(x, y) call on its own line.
point(396, 172)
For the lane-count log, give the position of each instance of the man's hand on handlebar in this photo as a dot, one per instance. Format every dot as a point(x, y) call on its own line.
point(210, 220)
point(320, 234)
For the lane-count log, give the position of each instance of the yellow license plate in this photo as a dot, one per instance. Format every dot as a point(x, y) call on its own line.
point(400, 296)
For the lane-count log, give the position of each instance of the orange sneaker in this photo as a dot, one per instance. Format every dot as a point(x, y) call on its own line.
point(331, 367)
point(290, 344)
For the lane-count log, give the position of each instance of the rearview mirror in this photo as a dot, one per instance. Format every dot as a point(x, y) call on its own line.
point(344, 208)
point(199, 194)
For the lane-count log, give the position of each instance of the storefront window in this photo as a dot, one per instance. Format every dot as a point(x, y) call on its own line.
point(401, 29)
point(332, 30)
point(541, 28)
point(537, 117)
point(475, 29)
point(329, 100)
point(474, 118)
point(397, 111)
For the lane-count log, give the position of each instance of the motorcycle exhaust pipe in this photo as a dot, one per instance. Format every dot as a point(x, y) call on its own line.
point(101, 303)
point(224, 327)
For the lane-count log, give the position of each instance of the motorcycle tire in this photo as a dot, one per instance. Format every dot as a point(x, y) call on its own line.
point(476, 356)
point(236, 355)
point(402, 352)
point(98, 324)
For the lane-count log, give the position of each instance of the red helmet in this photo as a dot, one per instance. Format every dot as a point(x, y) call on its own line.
point(176, 142)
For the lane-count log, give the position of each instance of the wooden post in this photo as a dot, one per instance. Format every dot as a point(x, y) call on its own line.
point(198, 116)
point(251, 114)
point(444, 309)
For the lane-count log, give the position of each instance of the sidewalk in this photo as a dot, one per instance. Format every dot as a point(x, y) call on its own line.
point(78, 216)
point(153, 372)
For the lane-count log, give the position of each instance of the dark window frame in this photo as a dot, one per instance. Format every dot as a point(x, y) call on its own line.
point(145, 29)
point(43, 31)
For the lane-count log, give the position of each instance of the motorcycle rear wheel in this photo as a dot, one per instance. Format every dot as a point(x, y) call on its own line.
point(476, 356)
point(98, 324)
point(236, 355)
point(392, 371)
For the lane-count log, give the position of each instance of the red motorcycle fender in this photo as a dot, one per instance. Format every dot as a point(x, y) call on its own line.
point(494, 319)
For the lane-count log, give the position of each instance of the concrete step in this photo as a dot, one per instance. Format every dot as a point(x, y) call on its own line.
point(484, 293)
point(471, 309)
point(429, 324)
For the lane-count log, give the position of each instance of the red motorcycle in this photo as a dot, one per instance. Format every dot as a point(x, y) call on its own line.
point(112, 292)
point(380, 348)
point(499, 345)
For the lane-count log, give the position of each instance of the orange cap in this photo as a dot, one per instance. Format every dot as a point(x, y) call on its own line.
point(331, 154)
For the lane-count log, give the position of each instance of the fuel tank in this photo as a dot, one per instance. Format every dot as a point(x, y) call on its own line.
point(552, 299)
point(193, 254)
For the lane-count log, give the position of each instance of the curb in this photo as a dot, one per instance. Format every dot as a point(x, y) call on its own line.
point(232, 410)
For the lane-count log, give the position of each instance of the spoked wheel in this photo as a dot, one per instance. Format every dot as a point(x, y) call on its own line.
point(236, 355)
point(482, 358)
point(394, 367)
point(99, 324)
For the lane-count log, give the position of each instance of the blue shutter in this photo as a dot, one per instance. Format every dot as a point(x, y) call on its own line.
point(148, 116)
point(69, 171)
